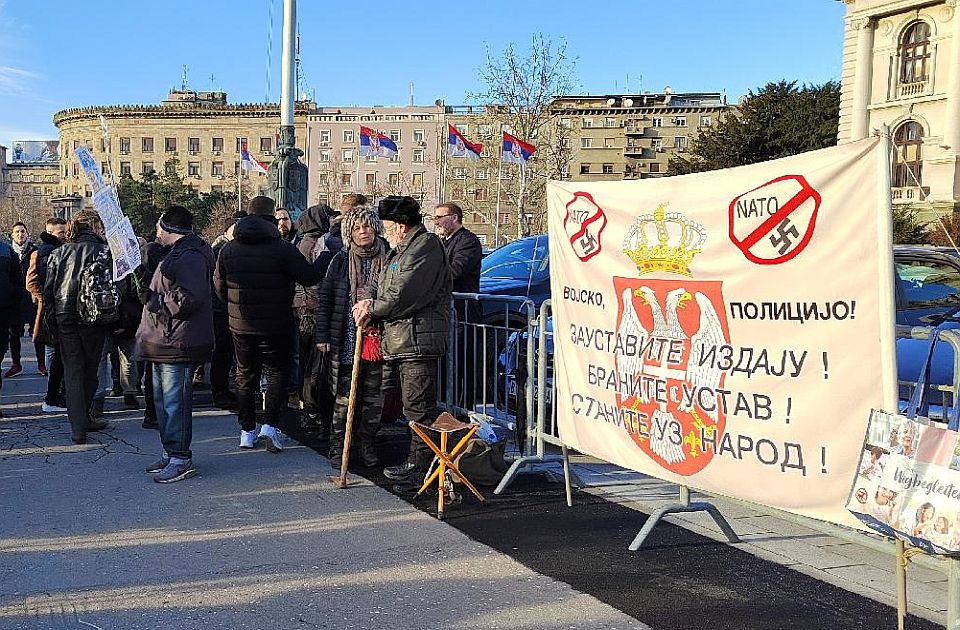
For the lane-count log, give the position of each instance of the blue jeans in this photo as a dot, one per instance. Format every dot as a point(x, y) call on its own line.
point(173, 401)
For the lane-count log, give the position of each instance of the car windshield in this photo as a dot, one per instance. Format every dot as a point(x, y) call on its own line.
point(929, 284)
point(526, 258)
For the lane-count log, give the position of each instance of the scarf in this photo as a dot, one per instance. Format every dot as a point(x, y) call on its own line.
point(374, 255)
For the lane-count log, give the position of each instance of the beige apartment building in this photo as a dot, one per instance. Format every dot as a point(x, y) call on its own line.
point(901, 68)
point(333, 153)
point(200, 130)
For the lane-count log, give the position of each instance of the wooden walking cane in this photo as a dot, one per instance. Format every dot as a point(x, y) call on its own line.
point(341, 481)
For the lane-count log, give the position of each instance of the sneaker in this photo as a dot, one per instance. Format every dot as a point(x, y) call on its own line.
point(158, 465)
point(401, 472)
point(130, 401)
point(48, 408)
point(176, 470)
point(14, 370)
point(248, 439)
point(272, 438)
point(42, 370)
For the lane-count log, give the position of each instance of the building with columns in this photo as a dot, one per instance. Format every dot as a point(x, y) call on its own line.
point(901, 68)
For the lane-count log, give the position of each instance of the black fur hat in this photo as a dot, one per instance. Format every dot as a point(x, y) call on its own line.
point(399, 209)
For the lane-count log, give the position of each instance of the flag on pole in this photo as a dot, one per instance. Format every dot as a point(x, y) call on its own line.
point(375, 144)
point(458, 146)
point(250, 163)
point(516, 151)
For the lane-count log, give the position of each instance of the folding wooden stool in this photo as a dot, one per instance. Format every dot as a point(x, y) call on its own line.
point(445, 425)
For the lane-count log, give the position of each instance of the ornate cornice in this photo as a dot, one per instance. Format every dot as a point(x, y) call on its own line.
point(177, 110)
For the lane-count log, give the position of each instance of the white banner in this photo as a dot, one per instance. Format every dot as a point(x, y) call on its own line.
point(724, 330)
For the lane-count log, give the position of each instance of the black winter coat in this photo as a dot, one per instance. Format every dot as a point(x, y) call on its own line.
point(412, 298)
point(255, 275)
point(12, 285)
point(315, 230)
point(28, 310)
point(463, 255)
point(63, 275)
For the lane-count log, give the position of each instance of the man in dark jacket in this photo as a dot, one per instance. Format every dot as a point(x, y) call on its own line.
point(255, 275)
point(50, 239)
point(223, 341)
point(176, 332)
point(23, 248)
point(412, 300)
point(11, 287)
point(152, 255)
point(81, 343)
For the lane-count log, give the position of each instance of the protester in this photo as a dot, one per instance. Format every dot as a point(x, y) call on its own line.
point(50, 239)
point(412, 301)
point(464, 253)
point(285, 225)
point(349, 274)
point(223, 352)
point(23, 248)
point(152, 255)
point(80, 315)
point(254, 276)
point(319, 241)
point(291, 383)
point(176, 332)
point(11, 287)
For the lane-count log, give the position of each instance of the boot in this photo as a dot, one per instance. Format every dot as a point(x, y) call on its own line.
point(337, 434)
point(368, 455)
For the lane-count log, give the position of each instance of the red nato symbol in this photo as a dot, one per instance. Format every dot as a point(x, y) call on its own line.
point(861, 495)
point(774, 222)
point(584, 225)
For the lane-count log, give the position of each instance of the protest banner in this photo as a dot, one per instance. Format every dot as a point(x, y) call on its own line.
point(729, 331)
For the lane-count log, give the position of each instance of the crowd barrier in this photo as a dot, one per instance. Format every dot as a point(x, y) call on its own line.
point(520, 337)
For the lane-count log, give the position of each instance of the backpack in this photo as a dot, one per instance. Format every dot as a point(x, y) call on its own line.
point(98, 300)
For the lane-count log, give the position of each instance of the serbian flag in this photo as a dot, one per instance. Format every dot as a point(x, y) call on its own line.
point(516, 151)
point(250, 163)
point(458, 146)
point(374, 144)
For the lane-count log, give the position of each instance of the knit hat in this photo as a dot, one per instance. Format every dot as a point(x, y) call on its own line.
point(360, 215)
point(177, 220)
point(261, 205)
point(228, 223)
point(403, 210)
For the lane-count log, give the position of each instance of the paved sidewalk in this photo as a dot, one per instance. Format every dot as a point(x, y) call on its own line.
point(256, 540)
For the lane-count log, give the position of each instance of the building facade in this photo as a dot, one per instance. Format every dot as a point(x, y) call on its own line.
point(336, 168)
point(199, 130)
point(901, 68)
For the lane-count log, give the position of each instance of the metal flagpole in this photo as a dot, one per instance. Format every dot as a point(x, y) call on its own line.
point(444, 159)
point(359, 151)
point(521, 218)
point(496, 222)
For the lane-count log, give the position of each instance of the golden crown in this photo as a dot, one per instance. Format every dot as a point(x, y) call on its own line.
point(663, 241)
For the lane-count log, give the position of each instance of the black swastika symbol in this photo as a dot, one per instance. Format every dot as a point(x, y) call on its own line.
point(782, 239)
point(588, 242)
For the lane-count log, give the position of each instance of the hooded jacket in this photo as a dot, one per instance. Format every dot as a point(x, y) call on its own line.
point(319, 243)
point(412, 298)
point(177, 322)
point(255, 275)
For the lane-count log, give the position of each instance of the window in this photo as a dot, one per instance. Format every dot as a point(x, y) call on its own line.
point(459, 172)
point(609, 143)
point(324, 155)
point(680, 143)
point(485, 130)
point(370, 179)
point(584, 169)
point(216, 169)
point(124, 146)
point(124, 168)
point(915, 53)
point(462, 128)
point(483, 173)
point(324, 136)
point(657, 122)
point(705, 121)
point(104, 168)
point(146, 145)
point(348, 136)
point(323, 178)
point(908, 155)
point(418, 156)
point(395, 135)
point(169, 145)
point(928, 285)
point(610, 122)
point(347, 155)
point(608, 169)
point(657, 144)
point(346, 179)
point(241, 142)
point(566, 143)
point(74, 170)
point(393, 179)
point(654, 167)
point(395, 157)
point(680, 121)
point(480, 194)
point(457, 193)
point(216, 145)
point(565, 123)
point(193, 145)
point(418, 136)
point(193, 169)
point(266, 145)
point(586, 143)
point(76, 145)
point(147, 168)
point(236, 167)
point(587, 123)
point(527, 258)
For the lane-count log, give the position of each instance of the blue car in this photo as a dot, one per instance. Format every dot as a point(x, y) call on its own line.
point(521, 269)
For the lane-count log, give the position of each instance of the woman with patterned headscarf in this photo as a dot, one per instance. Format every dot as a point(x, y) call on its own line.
point(361, 261)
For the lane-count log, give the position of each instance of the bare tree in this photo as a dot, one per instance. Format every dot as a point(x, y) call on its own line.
point(521, 86)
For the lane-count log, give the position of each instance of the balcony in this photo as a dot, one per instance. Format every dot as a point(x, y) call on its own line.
point(911, 90)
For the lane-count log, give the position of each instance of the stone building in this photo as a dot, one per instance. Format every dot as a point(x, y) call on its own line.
point(333, 156)
point(901, 68)
point(27, 189)
point(200, 130)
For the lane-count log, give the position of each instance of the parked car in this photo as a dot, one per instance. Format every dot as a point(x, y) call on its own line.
point(520, 268)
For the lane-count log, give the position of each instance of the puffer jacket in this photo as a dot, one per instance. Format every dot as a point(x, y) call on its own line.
point(412, 298)
point(318, 243)
point(177, 322)
point(255, 275)
point(64, 265)
point(11, 284)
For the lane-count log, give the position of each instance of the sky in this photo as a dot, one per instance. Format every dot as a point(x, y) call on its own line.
point(57, 54)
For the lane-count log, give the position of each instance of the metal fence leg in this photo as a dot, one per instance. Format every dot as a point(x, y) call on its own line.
point(566, 475)
point(683, 506)
point(902, 585)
